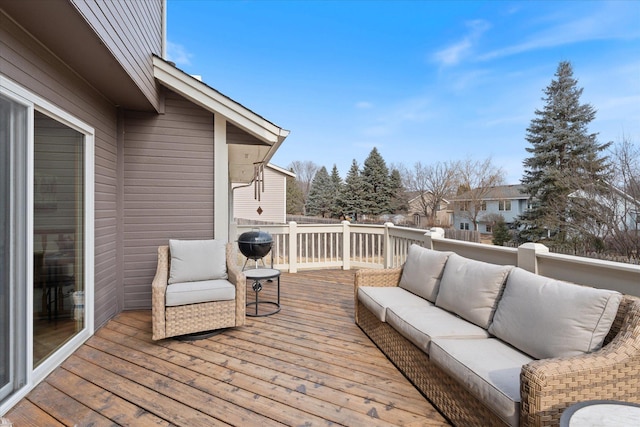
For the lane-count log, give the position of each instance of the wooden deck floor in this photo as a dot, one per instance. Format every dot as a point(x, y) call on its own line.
point(307, 365)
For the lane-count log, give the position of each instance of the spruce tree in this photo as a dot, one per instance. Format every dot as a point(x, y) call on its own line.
point(565, 158)
point(320, 196)
point(351, 197)
point(398, 202)
point(336, 188)
point(375, 180)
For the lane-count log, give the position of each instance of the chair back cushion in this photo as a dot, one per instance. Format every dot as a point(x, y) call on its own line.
point(422, 271)
point(471, 288)
point(545, 317)
point(195, 260)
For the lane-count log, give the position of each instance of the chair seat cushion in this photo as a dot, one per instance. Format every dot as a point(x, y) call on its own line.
point(420, 325)
point(198, 292)
point(377, 299)
point(489, 368)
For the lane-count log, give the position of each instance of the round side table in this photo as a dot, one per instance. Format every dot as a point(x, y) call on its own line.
point(259, 276)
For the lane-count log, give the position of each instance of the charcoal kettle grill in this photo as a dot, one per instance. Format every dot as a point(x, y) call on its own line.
point(255, 245)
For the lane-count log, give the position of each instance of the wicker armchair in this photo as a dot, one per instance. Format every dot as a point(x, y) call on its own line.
point(169, 321)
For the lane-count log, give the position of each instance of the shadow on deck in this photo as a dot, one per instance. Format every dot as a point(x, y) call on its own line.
point(307, 365)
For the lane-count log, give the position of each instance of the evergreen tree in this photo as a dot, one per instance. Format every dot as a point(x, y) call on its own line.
point(375, 180)
point(500, 233)
point(320, 196)
point(351, 197)
point(565, 158)
point(295, 197)
point(336, 188)
point(398, 202)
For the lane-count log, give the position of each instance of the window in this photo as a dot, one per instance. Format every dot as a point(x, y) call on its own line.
point(489, 228)
point(464, 206)
point(483, 206)
point(504, 205)
point(464, 226)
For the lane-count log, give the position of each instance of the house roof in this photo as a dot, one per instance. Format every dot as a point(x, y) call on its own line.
point(499, 192)
point(242, 157)
point(282, 171)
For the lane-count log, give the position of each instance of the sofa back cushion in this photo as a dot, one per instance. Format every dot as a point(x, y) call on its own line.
point(422, 271)
point(547, 318)
point(195, 260)
point(471, 288)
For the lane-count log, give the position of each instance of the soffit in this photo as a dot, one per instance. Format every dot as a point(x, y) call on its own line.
point(59, 27)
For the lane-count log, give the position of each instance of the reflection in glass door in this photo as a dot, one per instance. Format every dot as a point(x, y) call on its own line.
point(58, 229)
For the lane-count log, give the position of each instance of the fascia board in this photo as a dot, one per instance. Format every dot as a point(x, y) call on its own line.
point(211, 100)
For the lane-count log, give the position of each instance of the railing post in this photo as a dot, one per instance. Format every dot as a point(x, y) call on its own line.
point(436, 232)
point(387, 249)
point(346, 245)
point(293, 247)
point(527, 258)
point(233, 231)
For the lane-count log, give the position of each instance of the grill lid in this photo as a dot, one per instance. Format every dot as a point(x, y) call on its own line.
point(255, 244)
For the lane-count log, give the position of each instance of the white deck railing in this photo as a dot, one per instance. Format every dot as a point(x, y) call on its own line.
point(315, 246)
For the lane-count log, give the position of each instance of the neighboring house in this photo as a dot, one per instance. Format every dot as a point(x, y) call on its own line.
point(619, 211)
point(106, 151)
point(266, 199)
point(444, 216)
point(507, 201)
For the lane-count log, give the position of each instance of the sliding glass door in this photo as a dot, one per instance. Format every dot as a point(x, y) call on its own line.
point(58, 228)
point(46, 238)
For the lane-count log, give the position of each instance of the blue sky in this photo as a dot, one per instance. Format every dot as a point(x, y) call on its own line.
point(420, 80)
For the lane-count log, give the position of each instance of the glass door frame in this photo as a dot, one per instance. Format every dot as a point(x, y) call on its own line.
point(34, 102)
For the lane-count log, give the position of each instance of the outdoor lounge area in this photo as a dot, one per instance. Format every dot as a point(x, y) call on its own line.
point(309, 364)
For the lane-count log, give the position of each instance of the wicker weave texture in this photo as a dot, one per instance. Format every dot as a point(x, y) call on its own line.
point(192, 318)
point(451, 398)
point(548, 386)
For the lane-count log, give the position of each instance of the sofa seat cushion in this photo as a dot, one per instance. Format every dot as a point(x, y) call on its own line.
point(489, 369)
point(471, 288)
point(195, 260)
point(422, 271)
point(197, 292)
point(550, 318)
point(377, 299)
point(421, 325)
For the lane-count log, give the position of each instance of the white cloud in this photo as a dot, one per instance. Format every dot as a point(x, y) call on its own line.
point(178, 54)
point(607, 23)
point(364, 105)
point(457, 52)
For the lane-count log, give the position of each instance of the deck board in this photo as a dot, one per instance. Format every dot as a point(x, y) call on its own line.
point(307, 365)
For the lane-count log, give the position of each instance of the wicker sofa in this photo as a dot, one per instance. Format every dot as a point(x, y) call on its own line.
point(453, 355)
point(199, 304)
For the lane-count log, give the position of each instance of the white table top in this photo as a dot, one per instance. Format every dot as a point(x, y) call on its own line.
point(604, 414)
point(261, 273)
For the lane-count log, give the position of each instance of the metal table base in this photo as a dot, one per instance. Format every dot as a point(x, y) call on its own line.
point(259, 275)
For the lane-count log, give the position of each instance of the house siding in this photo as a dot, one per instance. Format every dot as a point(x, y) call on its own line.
point(272, 200)
point(131, 30)
point(25, 61)
point(168, 188)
